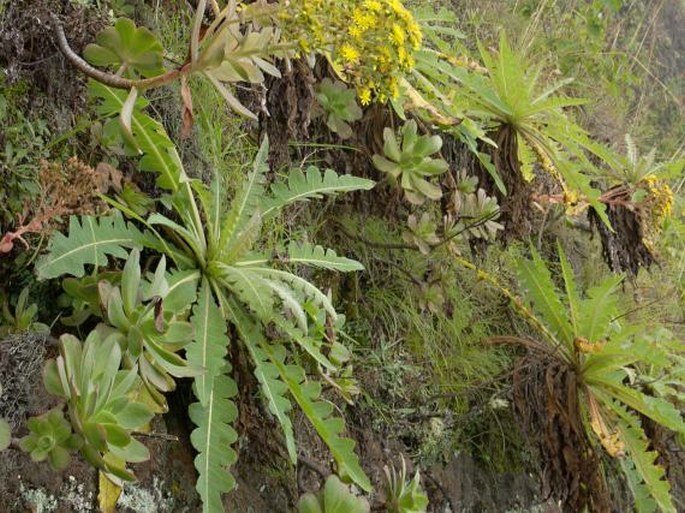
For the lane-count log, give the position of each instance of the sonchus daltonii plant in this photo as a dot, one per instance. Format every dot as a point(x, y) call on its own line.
point(610, 362)
point(218, 276)
point(639, 183)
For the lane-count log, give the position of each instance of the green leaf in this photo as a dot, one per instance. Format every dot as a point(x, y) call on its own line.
point(308, 503)
point(246, 204)
point(317, 256)
point(409, 162)
point(596, 313)
point(90, 240)
point(159, 152)
point(319, 414)
point(252, 289)
point(272, 387)
point(540, 290)
point(134, 416)
point(310, 184)
point(645, 477)
point(128, 46)
point(212, 439)
point(210, 343)
point(130, 282)
point(571, 289)
point(294, 281)
point(338, 498)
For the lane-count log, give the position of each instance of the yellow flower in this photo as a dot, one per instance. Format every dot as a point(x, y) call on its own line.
point(396, 6)
point(349, 53)
point(397, 36)
point(362, 20)
point(402, 54)
point(365, 96)
point(355, 31)
point(373, 5)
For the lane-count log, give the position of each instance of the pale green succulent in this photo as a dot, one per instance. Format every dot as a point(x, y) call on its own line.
point(334, 497)
point(402, 495)
point(408, 161)
point(340, 106)
point(51, 438)
point(101, 402)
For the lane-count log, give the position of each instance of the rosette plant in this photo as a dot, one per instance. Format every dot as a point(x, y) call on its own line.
point(213, 249)
point(594, 395)
point(408, 160)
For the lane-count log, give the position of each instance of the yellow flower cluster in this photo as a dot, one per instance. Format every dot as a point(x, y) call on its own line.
point(654, 209)
point(371, 43)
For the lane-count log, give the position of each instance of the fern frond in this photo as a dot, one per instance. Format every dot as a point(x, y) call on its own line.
point(212, 439)
point(310, 184)
point(247, 202)
point(317, 256)
point(306, 394)
point(89, 241)
point(540, 290)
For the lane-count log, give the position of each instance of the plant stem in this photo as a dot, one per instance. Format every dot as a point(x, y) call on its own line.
point(110, 79)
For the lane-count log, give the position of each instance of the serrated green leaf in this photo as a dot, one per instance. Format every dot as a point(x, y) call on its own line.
point(306, 394)
point(212, 439)
point(540, 289)
point(273, 389)
point(210, 343)
point(317, 256)
point(596, 312)
point(247, 202)
point(651, 478)
point(310, 184)
point(90, 241)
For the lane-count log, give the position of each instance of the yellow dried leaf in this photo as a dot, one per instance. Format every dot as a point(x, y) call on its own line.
point(108, 494)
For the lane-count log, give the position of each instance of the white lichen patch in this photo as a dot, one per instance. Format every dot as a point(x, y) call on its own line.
point(71, 494)
point(142, 500)
point(38, 499)
point(74, 494)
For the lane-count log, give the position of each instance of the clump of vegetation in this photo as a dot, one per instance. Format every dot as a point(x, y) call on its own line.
point(221, 279)
point(599, 364)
